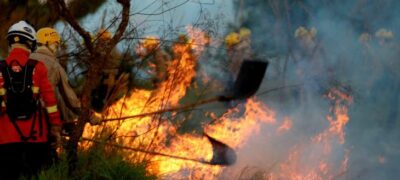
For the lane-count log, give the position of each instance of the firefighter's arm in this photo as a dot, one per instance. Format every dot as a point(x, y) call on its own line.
point(67, 93)
point(48, 96)
point(2, 94)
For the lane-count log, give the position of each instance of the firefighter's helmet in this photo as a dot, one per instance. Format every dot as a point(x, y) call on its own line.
point(364, 37)
point(48, 36)
point(232, 39)
point(22, 33)
point(151, 42)
point(312, 32)
point(302, 33)
point(104, 34)
point(244, 32)
point(384, 34)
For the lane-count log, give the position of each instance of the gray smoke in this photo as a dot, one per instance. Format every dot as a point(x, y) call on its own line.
point(367, 70)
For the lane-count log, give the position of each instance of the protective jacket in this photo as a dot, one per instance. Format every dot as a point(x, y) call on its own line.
point(66, 97)
point(41, 85)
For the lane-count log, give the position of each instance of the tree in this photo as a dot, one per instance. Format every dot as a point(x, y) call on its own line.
point(95, 54)
point(91, 54)
point(38, 14)
point(94, 64)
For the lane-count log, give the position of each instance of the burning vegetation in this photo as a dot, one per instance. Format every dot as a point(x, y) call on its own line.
point(154, 138)
point(193, 104)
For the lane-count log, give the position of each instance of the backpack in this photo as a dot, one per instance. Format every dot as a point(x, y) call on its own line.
point(19, 99)
point(20, 103)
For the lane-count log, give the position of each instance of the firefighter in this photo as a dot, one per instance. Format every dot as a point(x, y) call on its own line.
point(48, 41)
point(387, 53)
point(109, 75)
point(25, 135)
point(384, 36)
point(364, 38)
point(152, 57)
point(306, 39)
point(309, 57)
point(112, 62)
point(308, 54)
point(238, 47)
point(387, 50)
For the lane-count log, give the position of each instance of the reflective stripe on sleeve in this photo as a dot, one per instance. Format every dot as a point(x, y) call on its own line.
point(52, 109)
point(35, 89)
point(2, 91)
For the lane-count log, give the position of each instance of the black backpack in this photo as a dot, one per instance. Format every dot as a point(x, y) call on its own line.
point(20, 103)
point(19, 98)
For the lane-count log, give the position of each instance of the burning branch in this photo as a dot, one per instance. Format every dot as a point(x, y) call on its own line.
point(222, 154)
point(249, 80)
point(179, 108)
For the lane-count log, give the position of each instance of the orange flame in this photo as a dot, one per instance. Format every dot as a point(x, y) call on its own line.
point(318, 165)
point(154, 133)
point(286, 125)
point(157, 134)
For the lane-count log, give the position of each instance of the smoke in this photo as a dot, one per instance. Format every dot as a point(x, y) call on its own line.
point(335, 58)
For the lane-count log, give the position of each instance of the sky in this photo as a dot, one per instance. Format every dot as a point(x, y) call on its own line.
point(183, 15)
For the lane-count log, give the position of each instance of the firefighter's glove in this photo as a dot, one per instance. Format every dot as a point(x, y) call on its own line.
point(55, 136)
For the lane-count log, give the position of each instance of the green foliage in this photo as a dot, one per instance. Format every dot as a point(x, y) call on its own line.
point(98, 162)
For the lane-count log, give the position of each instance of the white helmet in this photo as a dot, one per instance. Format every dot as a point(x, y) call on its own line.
point(23, 33)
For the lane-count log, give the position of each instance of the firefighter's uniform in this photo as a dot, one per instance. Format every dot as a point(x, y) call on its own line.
point(239, 49)
point(20, 156)
point(155, 59)
point(68, 103)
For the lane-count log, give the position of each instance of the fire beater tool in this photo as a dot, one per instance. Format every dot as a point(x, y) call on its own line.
point(222, 154)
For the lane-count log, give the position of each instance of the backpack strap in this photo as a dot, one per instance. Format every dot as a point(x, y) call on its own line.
point(6, 78)
point(29, 67)
point(31, 64)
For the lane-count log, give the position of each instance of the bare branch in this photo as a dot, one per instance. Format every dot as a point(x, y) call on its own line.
point(162, 12)
point(149, 152)
point(179, 108)
point(61, 7)
point(126, 5)
point(196, 104)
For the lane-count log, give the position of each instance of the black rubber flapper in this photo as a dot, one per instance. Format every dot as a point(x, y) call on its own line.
point(248, 81)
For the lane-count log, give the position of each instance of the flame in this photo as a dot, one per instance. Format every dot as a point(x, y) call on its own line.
point(234, 131)
point(131, 132)
point(286, 125)
point(306, 160)
point(158, 135)
point(312, 159)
